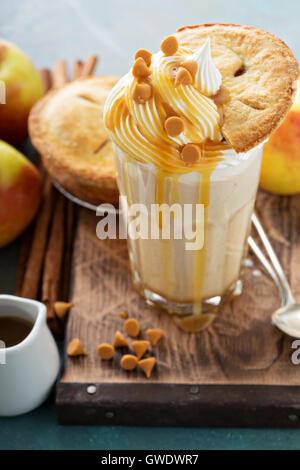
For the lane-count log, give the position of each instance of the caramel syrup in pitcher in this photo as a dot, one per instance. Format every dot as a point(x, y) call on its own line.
point(13, 329)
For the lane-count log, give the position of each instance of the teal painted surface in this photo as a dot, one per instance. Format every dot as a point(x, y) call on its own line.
point(39, 430)
point(114, 29)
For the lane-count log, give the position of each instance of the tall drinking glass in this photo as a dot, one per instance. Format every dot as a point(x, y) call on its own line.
point(192, 284)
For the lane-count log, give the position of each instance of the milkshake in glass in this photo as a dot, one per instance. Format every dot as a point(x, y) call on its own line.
point(165, 118)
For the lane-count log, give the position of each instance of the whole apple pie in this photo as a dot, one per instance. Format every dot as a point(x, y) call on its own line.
point(66, 127)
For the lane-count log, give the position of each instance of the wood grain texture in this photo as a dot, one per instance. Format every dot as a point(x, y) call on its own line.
point(241, 348)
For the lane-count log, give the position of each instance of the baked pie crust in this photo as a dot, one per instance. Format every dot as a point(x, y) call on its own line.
point(258, 70)
point(66, 127)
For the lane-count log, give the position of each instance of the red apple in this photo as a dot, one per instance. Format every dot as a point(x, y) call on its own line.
point(20, 192)
point(22, 86)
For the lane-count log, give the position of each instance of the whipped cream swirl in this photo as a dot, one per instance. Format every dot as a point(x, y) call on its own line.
point(138, 129)
point(208, 78)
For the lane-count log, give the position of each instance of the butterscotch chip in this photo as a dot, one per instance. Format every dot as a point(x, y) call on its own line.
point(190, 153)
point(105, 351)
point(61, 308)
point(124, 314)
point(147, 365)
point(140, 347)
point(75, 348)
point(191, 66)
point(140, 69)
point(132, 327)
point(183, 77)
point(142, 92)
point(169, 45)
point(154, 335)
point(174, 125)
point(129, 362)
point(144, 54)
point(120, 341)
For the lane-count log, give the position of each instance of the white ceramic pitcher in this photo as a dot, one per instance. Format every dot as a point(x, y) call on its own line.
point(29, 369)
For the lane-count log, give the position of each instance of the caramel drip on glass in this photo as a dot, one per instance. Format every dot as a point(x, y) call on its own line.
point(200, 254)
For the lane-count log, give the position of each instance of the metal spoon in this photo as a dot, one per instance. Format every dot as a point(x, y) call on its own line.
point(287, 317)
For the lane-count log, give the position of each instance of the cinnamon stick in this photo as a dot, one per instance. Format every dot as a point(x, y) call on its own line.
point(46, 78)
point(23, 258)
point(77, 67)
point(33, 271)
point(53, 266)
point(69, 219)
point(34, 239)
point(89, 66)
point(53, 263)
point(59, 74)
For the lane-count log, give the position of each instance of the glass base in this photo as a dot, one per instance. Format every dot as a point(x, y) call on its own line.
point(189, 316)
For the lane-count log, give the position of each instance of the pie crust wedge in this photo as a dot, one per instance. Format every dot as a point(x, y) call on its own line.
point(259, 73)
point(66, 127)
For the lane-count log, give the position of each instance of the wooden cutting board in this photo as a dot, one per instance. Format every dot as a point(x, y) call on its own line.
point(236, 373)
